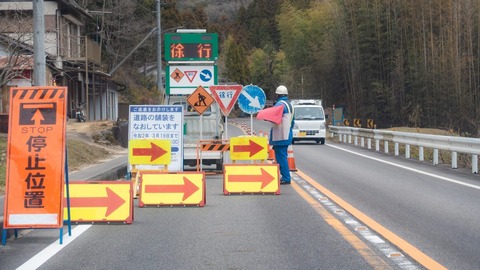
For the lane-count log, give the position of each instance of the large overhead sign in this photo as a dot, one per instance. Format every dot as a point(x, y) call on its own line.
point(191, 46)
point(158, 122)
point(35, 158)
point(183, 79)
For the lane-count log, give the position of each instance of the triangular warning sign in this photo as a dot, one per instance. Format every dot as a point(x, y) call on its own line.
point(226, 96)
point(190, 75)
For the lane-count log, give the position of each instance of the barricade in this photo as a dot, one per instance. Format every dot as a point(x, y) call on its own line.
point(210, 145)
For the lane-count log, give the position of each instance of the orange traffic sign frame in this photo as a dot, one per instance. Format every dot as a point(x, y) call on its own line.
point(200, 100)
point(251, 178)
point(179, 188)
point(35, 157)
point(101, 201)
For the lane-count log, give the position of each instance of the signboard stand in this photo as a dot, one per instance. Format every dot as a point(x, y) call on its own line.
point(67, 190)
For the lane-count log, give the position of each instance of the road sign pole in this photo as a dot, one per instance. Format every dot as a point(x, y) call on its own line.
point(251, 124)
point(225, 125)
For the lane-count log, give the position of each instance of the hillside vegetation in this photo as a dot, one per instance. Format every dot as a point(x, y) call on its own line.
point(401, 63)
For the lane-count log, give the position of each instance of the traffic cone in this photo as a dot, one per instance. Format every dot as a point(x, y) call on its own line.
point(291, 159)
point(271, 152)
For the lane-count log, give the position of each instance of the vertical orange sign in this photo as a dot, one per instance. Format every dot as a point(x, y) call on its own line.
point(35, 157)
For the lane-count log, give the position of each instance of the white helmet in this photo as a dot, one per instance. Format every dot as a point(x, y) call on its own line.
point(281, 90)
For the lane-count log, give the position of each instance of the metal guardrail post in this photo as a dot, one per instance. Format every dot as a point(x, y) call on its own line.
point(435, 156)
point(474, 163)
point(454, 160)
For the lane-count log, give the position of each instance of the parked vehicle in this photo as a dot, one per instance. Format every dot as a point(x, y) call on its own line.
point(80, 113)
point(209, 128)
point(309, 120)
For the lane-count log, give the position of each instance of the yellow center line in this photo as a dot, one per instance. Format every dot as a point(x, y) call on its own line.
point(368, 254)
point(409, 249)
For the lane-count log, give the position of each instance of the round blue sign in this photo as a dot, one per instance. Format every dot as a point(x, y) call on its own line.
point(252, 99)
point(205, 75)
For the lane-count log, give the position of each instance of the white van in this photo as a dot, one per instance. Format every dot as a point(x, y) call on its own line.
point(211, 128)
point(309, 120)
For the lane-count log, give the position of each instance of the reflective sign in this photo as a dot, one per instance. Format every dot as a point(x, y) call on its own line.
point(248, 148)
point(158, 188)
point(252, 99)
point(101, 201)
point(149, 152)
point(158, 122)
point(35, 157)
point(226, 96)
point(251, 178)
point(200, 100)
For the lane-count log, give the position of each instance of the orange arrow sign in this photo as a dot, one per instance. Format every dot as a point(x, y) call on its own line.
point(154, 151)
point(188, 188)
point(112, 202)
point(265, 178)
point(252, 147)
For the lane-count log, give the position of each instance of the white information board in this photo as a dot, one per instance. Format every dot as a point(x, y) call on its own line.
point(163, 122)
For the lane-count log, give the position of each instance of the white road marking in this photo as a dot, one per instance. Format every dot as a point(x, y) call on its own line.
point(43, 256)
point(408, 168)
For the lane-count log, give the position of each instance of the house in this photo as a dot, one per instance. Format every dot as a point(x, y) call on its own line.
point(72, 58)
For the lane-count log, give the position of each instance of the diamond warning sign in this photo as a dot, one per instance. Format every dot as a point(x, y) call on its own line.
point(177, 75)
point(200, 100)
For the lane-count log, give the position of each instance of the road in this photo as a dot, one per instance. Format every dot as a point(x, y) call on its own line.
point(313, 224)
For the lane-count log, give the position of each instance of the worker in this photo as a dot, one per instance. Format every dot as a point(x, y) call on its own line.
point(281, 134)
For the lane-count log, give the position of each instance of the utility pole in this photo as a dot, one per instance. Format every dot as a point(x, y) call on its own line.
point(159, 53)
point(39, 43)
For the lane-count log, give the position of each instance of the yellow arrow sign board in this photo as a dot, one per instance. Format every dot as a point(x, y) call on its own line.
point(149, 152)
point(251, 178)
point(249, 148)
point(181, 188)
point(100, 201)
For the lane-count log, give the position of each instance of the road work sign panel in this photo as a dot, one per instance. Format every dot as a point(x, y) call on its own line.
point(251, 178)
point(157, 188)
point(101, 201)
point(248, 148)
point(35, 157)
point(149, 152)
point(158, 122)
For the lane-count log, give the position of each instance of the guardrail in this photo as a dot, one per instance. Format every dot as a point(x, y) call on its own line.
point(436, 142)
